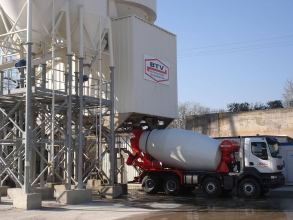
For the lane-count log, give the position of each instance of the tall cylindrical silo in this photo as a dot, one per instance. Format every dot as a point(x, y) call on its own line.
point(42, 18)
point(94, 23)
point(145, 9)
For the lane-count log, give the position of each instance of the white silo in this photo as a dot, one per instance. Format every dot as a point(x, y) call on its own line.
point(94, 23)
point(145, 9)
point(41, 20)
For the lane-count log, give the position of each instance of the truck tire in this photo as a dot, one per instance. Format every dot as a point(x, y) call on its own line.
point(211, 187)
point(249, 188)
point(150, 184)
point(171, 185)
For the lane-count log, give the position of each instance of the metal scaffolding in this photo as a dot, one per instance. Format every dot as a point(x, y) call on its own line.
point(45, 127)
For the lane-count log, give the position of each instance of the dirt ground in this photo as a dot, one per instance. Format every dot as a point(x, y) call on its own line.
point(277, 204)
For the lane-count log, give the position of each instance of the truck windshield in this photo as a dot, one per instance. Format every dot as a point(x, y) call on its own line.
point(273, 146)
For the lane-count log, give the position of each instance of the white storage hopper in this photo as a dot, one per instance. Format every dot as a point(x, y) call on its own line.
point(134, 40)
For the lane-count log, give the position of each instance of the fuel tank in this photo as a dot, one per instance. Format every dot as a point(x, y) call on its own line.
point(182, 149)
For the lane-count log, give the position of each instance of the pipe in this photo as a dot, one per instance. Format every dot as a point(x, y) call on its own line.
point(33, 136)
point(33, 76)
point(69, 108)
point(53, 93)
point(100, 164)
point(68, 32)
point(43, 117)
point(112, 132)
point(43, 84)
point(20, 164)
point(69, 123)
point(21, 69)
point(80, 132)
point(76, 122)
point(80, 31)
point(112, 98)
point(28, 98)
point(1, 82)
point(110, 40)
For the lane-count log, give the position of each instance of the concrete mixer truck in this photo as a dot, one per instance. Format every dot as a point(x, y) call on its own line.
point(175, 160)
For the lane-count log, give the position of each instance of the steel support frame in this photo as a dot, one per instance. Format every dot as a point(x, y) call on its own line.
point(35, 140)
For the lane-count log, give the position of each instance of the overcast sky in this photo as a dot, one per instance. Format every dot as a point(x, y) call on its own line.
point(230, 50)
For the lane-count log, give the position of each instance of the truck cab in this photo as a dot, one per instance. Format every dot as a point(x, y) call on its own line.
point(260, 165)
point(262, 154)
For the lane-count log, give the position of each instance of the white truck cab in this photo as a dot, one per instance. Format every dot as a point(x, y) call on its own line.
point(260, 165)
point(262, 154)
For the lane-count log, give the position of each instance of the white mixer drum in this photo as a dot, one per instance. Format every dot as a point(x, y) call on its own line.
point(182, 149)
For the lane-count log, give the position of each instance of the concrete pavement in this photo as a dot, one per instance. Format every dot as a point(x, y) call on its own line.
point(137, 205)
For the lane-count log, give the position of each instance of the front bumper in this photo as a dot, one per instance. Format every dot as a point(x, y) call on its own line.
point(272, 180)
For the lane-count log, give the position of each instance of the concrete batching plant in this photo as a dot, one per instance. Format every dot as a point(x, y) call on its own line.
point(76, 75)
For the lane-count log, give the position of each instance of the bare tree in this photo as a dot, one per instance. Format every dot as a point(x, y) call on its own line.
point(288, 93)
point(185, 109)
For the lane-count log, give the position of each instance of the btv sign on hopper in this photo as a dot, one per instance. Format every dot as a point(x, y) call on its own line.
point(156, 70)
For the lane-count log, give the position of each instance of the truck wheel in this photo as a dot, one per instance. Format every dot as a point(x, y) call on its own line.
point(211, 187)
point(150, 184)
point(249, 188)
point(171, 185)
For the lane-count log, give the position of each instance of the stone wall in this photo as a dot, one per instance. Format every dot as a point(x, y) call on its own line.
point(262, 122)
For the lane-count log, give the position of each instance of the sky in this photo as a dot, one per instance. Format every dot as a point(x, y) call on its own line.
point(230, 50)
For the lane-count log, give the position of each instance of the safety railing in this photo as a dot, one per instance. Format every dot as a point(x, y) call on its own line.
point(13, 78)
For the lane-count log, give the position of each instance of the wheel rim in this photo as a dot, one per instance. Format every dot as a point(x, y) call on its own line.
point(248, 188)
point(211, 187)
point(149, 184)
point(171, 185)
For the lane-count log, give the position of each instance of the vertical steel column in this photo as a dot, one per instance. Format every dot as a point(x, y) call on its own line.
point(100, 148)
point(1, 116)
point(1, 82)
point(76, 122)
point(69, 106)
point(43, 84)
point(112, 114)
point(32, 124)
point(20, 162)
point(112, 132)
point(28, 98)
point(1, 132)
point(43, 118)
point(53, 94)
point(80, 121)
point(21, 81)
point(69, 123)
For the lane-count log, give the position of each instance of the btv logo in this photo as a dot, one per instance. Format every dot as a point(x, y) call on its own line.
point(156, 70)
point(157, 67)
